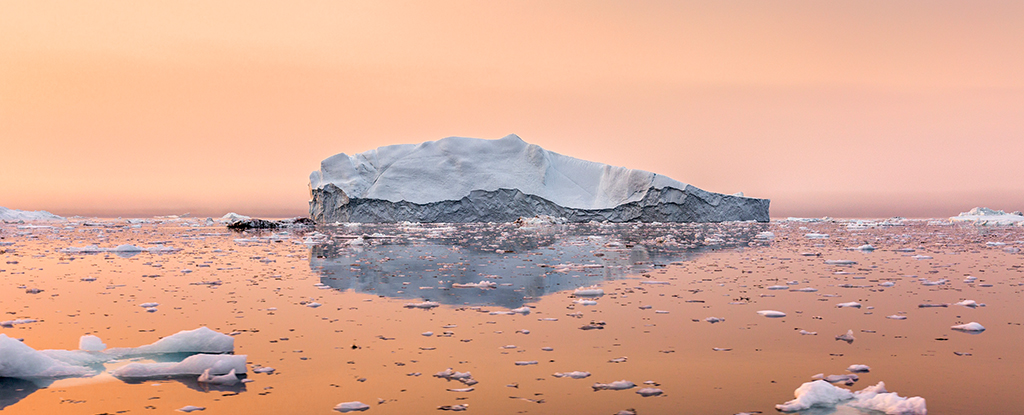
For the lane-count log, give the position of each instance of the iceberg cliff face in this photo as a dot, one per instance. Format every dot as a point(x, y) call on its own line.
point(460, 179)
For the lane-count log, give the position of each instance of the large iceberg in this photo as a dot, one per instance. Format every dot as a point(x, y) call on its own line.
point(22, 215)
point(460, 179)
point(991, 217)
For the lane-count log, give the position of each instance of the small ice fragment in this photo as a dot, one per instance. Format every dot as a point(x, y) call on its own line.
point(887, 284)
point(840, 262)
point(645, 392)
point(91, 343)
point(848, 337)
point(264, 370)
point(778, 287)
point(808, 333)
point(572, 375)
point(645, 307)
point(896, 317)
point(351, 406)
point(427, 333)
point(588, 292)
point(617, 385)
point(852, 304)
point(971, 327)
point(151, 310)
point(424, 305)
point(547, 349)
point(618, 360)
point(805, 290)
point(521, 310)
point(585, 302)
point(148, 305)
point(190, 408)
point(526, 362)
point(660, 312)
point(969, 303)
point(771, 313)
point(460, 407)
point(313, 304)
point(721, 349)
point(229, 379)
point(469, 389)
point(714, 320)
point(858, 369)
point(927, 305)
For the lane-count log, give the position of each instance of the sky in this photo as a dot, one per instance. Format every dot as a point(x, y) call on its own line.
point(843, 109)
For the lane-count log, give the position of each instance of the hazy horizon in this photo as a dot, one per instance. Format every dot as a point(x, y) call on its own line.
point(866, 109)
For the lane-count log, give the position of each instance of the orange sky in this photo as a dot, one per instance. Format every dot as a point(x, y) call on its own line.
point(866, 108)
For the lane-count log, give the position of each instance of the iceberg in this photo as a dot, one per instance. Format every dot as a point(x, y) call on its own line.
point(823, 395)
point(206, 366)
point(990, 217)
point(23, 215)
point(19, 360)
point(458, 179)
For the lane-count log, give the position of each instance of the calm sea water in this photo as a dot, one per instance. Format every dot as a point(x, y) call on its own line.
point(330, 310)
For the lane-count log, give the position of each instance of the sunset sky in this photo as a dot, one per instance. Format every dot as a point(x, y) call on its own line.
point(846, 109)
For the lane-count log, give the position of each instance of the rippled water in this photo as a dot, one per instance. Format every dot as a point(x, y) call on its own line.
point(327, 310)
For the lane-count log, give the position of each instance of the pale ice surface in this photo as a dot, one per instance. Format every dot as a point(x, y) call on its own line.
point(460, 165)
point(27, 215)
point(210, 364)
point(617, 385)
point(771, 313)
point(91, 343)
point(351, 406)
point(972, 327)
point(990, 217)
point(822, 394)
point(200, 340)
point(18, 360)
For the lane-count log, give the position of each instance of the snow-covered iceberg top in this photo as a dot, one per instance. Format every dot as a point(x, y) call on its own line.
point(15, 214)
point(820, 393)
point(986, 216)
point(451, 168)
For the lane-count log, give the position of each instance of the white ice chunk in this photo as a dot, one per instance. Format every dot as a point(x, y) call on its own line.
point(18, 360)
point(848, 337)
point(200, 340)
point(572, 375)
point(351, 406)
point(425, 305)
point(229, 379)
point(588, 292)
point(858, 369)
point(617, 385)
point(971, 327)
point(771, 313)
point(91, 343)
point(645, 392)
point(210, 364)
point(852, 304)
point(191, 408)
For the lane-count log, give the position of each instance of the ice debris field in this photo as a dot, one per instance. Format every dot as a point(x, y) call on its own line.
point(807, 316)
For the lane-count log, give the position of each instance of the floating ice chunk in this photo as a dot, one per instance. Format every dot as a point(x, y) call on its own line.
point(456, 408)
point(190, 408)
point(969, 303)
point(91, 343)
point(816, 393)
point(645, 392)
point(848, 337)
point(816, 235)
point(521, 310)
point(930, 305)
point(808, 333)
point(887, 284)
point(588, 292)
point(984, 216)
point(858, 369)
point(585, 302)
point(852, 304)
point(228, 379)
point(193, 365)
point(313, 304)
point(481, 285)
point(721, 349)
point(920, 257)
point(925, 281)
point(351, 406)
point(19, 360)
point(876, 398)
point(805, 290)
point(971, 327)
point(840, 262)
point(526, 362)
point(264, 369)
point(427, 333)
point(200, 340)
point(655, 283)
point(714, 320)
point(865, 247)
point(469, 389)
point(148, 305)
point(778, 287)
point(617, 385)
point(424, 305)
point(771, 313)
point(896, 317)
point(572, 375)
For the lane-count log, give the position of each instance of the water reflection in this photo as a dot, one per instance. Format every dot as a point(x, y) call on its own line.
point(428, 261)
point(13, 390)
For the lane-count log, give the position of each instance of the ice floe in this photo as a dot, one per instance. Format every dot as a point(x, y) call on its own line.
point(972, 327)
point(617, 385)
point(821, 394)
point(771, 313)
point(198, 364)
point(351, 406)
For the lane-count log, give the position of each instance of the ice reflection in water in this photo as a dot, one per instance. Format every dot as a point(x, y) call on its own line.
point(425, 261)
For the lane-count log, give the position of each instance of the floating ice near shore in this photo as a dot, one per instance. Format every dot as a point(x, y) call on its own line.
point(20, 215)
point(210, 364)
point(821, 394)
point(989, 217)
point(460, 179)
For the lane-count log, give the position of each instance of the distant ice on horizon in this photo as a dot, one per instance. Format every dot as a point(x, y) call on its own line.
point(14, 214)
point(990, 217)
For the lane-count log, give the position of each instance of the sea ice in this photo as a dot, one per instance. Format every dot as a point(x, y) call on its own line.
point(824, 395)
point(91, 343)
point(228, 379)
point(771, 313)
point(852, 304)
point(588, 292)
point(848, 337)
point(572, 375)
point(351, 406)
point(617, 385)
point(190, 408)
point(971, 327)
point(210, 364)
point(985, 216)
point(21, 215)
point(645, 392)
point(200, 340)
point(858, 368)
point(18, 360)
